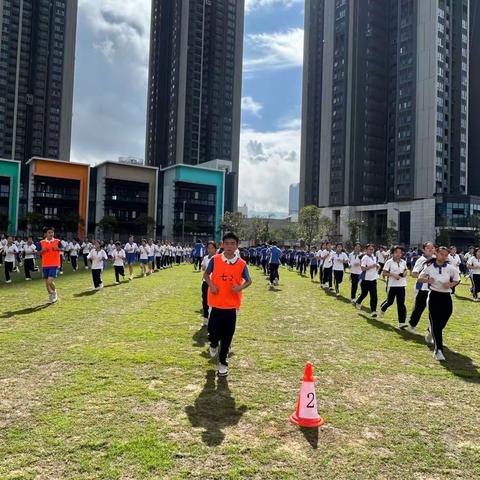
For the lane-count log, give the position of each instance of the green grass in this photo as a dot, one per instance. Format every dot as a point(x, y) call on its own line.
point(117, 385)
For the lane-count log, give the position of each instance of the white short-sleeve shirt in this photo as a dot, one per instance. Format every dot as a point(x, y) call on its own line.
point(444, 274)
point(474, 265)
point(118, 257)
point(339, 260)
point(97, 257)
point(372, 273)
point(391, 266)
point(355, 264)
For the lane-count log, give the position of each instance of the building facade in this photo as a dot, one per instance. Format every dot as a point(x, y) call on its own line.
point(58, 192)
point(293, 199)
point(126, 192)
point(386, 112)
point(9, 192)
point(192, 203)
point(195, 81)
point(36, 78)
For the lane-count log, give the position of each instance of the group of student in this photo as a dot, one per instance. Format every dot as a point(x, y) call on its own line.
point(436, 269)
point(97, 255)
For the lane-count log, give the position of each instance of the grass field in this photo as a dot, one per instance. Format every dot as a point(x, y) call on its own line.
point(117, 384)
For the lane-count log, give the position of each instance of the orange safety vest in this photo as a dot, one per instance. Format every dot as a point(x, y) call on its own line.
point(50, 257)
point(224, 277)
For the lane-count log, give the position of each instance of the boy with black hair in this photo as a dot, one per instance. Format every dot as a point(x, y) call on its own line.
point(227, 276)
point(50, 253)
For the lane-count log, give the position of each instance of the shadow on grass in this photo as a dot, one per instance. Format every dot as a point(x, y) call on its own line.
point(459, 365)
point(86, 293)
point(200, 337)
point(311, 435)
point(25, 311)
point(214, 409)
point(464, 299)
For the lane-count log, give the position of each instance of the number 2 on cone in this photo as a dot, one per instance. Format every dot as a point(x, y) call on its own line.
point(311, 396)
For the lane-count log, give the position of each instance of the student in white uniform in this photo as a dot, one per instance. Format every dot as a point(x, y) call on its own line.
point(97, 256)
point(455, 260)
point(9, 252)
point(211, 250)
point(380, 259)
point(355, 261)
point(86, 247)
point(369, 279)
point(131, 249)
point(473, 265)
point(151, 255)
point(74, 250)
point(29, 252)
point(441, 278)
point(320, 262)
point(157, 250)
point(421, 289)
point(395, 271)
point(340, 260)
point(143, 250)
point(118, 260)
point(327, 258)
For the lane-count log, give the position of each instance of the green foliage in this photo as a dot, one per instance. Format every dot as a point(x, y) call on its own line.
point(391, 234)
point(33, 222)
point(108, 224)
point(309, 223)
point(145, 224)
point(354, 226)
point(233, 222)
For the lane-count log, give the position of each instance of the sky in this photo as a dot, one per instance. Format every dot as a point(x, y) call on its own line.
point(110, 95)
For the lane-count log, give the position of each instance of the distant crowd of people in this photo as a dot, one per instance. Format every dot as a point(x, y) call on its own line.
point(437, 271)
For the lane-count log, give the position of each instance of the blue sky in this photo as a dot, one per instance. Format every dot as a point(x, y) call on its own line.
point(111, 91)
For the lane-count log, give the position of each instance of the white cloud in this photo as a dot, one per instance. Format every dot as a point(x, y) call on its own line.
point(251, 106)
point(121, 31)
point(269, 163)
point(251, 5)
point(274, 50)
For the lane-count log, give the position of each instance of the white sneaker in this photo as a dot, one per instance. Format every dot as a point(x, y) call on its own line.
point(27, 279)
point(374, 314)
point(61, 272)
point(8, 281)
point(429, 338)
point(337, 294)
point(402, 326)
point(54, 297)
point(382, 314)
point(358, 306)
point(275, 282)
point(270, 285)
point(100, 286)
point(353, 301)
point(117, 283)
point(86, 268)
point(222, 370)
point(213, 352)
point(411, 329)
point(130, 277)
point(438, 355)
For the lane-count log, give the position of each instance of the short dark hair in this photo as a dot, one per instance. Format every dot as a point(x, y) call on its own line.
point(397, 247)
point(425, 244)
point(231, 236)
point(211, 242)
point(357, 243)
point(46, 229)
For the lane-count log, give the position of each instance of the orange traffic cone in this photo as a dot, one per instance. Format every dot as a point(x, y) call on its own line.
point(306, 414)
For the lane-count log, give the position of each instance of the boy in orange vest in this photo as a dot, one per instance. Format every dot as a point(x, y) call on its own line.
point(50, 253)
point(226, 275)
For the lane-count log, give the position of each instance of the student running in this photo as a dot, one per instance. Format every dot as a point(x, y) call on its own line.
point(227, 276)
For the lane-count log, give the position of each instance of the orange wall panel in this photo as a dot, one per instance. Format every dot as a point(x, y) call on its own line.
point(69, 171)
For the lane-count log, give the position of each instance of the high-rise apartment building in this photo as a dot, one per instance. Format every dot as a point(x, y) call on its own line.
point(37, 47)
point(386, 114)
point(195, 81)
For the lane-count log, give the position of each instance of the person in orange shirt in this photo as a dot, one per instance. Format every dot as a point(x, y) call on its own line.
point(50, 253)
point(227, 276)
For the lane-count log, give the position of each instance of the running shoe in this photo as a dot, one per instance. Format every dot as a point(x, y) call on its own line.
point(411, 329)
point(213, 351)
point(402, 326)
point(438, 355)
point(222, 370)
point(374, 314)
point(429, 338)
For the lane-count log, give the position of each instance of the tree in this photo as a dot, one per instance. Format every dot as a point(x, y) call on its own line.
point(145, 223)
point(391, 233)
point(4, 222)
point(309, 223)
point(72, 221)
point(108, 224)
point(233, 222)
point(354, 226)
point(32, 222)
point(286, 233)
point(259, 230)
point(326, 228)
